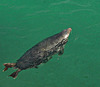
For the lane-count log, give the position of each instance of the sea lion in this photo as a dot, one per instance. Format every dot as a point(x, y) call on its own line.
point(41, 52)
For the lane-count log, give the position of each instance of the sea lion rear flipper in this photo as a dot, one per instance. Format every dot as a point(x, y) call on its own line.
point(14, 74)
point(8, 65)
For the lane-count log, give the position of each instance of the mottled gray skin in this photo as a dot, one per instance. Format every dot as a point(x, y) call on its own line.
point(43, 51)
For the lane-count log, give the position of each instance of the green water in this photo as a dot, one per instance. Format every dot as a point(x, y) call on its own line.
point(24, 23)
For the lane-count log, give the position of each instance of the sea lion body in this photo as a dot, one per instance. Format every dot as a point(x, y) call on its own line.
point(41, 52)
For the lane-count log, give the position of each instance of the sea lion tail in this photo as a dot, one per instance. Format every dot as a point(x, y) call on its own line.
point(8, 65)
point(14, 74)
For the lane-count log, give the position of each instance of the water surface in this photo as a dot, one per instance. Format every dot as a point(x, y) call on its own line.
point(24, 23)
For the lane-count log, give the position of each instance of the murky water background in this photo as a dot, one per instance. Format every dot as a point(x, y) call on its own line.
point(24, 23)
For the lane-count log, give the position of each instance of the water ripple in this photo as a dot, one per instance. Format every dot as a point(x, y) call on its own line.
point(81, 5)
point(71, 2)
point(62, 2)
point(38, 12)
point(78, 10)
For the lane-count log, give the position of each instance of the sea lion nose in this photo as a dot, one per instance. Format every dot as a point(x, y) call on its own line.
point(69, 29)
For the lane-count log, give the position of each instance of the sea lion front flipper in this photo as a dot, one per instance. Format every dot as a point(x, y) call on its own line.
point(61, 51)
